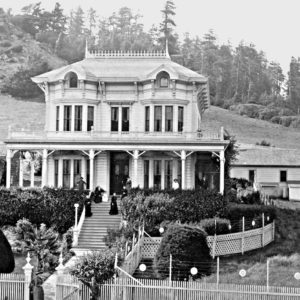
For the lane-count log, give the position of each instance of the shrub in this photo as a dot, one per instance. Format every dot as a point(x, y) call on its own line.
point(54, 207)
point(188, 247)
point(16, 49)
point(5, 44)
point(7, 262)
point(215, 226)
point(235, 213)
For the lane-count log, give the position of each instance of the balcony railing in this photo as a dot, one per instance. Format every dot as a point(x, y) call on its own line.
point(93, 135)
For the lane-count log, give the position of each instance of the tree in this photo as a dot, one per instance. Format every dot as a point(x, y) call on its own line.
point(59, 20)
point(95, 269)
point(188, 247)
point(7, 261)
point(76, 24)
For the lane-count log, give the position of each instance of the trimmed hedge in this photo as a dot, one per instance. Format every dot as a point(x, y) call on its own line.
point(186, 206)
point(215, 226)
point(53, 207)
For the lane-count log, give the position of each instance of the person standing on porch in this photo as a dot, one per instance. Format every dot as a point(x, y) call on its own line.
point(175, 184)
point(81, 184)
point(113, 205)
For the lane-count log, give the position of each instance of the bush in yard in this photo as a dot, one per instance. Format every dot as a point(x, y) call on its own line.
point(7, 262)
point(95, 269)
point(215, 226)
point(188, 247)
point(54, 207)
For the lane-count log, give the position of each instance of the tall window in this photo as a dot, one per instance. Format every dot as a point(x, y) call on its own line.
point(147, 118)
point(157, 118)
point(66, 173)
point(168, 174)
point(169, 118)
point(283, 176)
point(114, 119)
point(73, 79)
point(56, 172)
point(78, 118)
point(163, 79)
point(180, 119)
point(157, 174)
point(125, 118)
point(57, 118)
point(67, 117)
point(251, 175)
point(77, 170)
point(146, 174)
point(90, 118)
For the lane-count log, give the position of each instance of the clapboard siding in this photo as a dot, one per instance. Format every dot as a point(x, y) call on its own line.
point(102, 171)
point(239, 173)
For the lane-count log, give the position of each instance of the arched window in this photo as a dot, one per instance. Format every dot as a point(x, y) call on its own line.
point(163, 80)
point(73, 80)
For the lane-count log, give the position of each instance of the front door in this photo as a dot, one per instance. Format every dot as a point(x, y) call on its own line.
point(119, 171)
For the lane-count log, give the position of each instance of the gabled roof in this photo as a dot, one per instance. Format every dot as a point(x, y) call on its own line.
point(268, 156)
point(120, 66)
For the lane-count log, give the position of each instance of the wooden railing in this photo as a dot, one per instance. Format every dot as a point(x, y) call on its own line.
point(77, 229)
point(224, 244)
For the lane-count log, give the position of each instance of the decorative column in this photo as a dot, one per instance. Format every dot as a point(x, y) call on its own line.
point(61, 117)
point(21, 170)
point(32, 172)
point(151, 173)
point(44, 167)
point(183, 159)
point(135, 168)
point(222, 171)
point(84, 117)
point(91, 156)
point(8, 167)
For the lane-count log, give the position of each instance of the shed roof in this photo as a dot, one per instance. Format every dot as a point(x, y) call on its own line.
point(268, 156)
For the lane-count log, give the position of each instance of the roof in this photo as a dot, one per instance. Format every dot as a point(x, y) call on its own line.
point(268, 156)
point(123, 66)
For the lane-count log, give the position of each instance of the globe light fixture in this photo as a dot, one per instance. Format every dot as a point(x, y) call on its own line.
point(229, 227)
point(142, 267)
point(242, 273)
point(194, 271)
point(253, 223)
point(161, 230)
point(297, 276)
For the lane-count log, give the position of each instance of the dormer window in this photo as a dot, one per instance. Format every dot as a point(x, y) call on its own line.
point(73, 80)
point(163, 80)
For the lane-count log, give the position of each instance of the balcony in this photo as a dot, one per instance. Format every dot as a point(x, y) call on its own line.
point(97, 136)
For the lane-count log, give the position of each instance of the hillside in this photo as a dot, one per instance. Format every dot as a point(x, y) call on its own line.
point(19, 49)
point(25, 114)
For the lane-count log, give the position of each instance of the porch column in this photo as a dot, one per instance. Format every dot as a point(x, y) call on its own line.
point(21, 171)
point(151, 173)
point(135, 168)
point(71, 173)
point(222, 171)
point(60, 172)
point(91, 156)
point(44, 167)
point(32, 173)
point(8, 167)
point(183, 158)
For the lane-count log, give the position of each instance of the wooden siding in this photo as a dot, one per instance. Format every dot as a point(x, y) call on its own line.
point(102, 171)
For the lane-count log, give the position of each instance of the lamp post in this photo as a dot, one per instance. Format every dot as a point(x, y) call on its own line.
point(76, 205)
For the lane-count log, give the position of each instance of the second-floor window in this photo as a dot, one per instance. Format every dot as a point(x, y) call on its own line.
point(180, 119)
point(57, 119)
point(169, 118)
point(90, 118)
point(114, 118)
point(157, 118)
point(147, 118)
point(78, 118)
point(73, 80)
point(67, 117)
point(125, 118)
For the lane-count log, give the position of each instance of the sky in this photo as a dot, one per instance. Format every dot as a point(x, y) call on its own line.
point(271, 25)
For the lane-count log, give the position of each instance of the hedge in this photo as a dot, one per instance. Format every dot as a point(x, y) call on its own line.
point(54, 207)
point(215, 226)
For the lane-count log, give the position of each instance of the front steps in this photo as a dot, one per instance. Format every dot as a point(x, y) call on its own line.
point(95, 227)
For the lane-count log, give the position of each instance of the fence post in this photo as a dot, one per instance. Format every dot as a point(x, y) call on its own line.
point(243, 233)
point(263, 230)
point(60, 268)
point(218, 270)
point(268, 274)
point(28, 272)
point(170, 271)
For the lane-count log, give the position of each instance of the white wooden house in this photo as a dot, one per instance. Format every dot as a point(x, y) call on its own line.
point(273, 170)
point(116, 114)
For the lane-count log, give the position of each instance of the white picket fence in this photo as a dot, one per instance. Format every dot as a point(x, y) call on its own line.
point(12, 286)
point(149, 289)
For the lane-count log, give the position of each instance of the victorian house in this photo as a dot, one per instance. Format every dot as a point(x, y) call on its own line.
point(115, 115)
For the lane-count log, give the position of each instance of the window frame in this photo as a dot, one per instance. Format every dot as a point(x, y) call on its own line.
point(114, 127)
point(158, 121)
point(78, 117)
point(169, 128)
point(73, 80)
point(180, 123)
point(147, 118)
point(280, 175)
point(68, 119)
point(90, 122)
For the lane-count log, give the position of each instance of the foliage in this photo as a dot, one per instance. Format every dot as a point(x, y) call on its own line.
point(95, 269)
point(263, 143)
point(235, 213)
point(187, 245)
point(7, 262)
point(42, 242)
point(54, 207)
point(152, 208)
point(215, 226)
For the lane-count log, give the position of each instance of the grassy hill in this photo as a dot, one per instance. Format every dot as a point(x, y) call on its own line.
point(21, 113)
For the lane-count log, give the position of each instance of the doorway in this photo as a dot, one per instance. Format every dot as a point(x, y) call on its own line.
point(119, 171)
